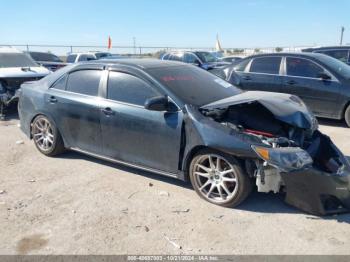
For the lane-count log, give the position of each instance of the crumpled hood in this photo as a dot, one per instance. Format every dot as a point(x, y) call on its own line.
point(286, 108)
point(38, 71)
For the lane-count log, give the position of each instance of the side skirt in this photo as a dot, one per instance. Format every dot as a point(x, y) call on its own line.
point(126, 163)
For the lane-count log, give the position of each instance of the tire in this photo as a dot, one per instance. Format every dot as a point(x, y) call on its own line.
point(46, 136)
point(347, 116)
point(217, 180)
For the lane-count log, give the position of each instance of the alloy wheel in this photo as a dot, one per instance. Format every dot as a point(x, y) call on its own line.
point(43, 134)
point(215, 178)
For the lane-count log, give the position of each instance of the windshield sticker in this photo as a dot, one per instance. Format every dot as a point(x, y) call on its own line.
point(177, 78)
point(223, 83)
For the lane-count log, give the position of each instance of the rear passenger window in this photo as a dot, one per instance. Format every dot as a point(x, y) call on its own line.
point(129, 89)
point(61, 83)
point(303, 68)
point(266, 65)
point(84, 82)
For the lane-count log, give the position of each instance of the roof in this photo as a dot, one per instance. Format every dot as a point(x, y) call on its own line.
point(298, 54)
point(145, 63)
point(81, 53)
point(9, 49)
point(326, 48)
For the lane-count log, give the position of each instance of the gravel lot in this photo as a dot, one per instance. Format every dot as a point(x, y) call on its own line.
point(74, 204)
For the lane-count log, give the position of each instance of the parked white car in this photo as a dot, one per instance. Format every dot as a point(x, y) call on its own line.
point(80, 57)
point(16, 68)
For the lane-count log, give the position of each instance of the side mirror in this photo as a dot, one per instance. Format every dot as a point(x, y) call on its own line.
point(158, 103)
point(324, 76)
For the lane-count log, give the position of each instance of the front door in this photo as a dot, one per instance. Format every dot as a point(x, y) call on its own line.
point(134, 134)
point(302, 79)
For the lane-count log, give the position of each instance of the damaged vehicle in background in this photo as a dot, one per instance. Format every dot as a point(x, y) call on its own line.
point(15, 69)
point(48, 60)
point(181, 121)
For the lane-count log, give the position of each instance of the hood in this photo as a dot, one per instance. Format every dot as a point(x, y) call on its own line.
point(29, 72)
point(286, 108)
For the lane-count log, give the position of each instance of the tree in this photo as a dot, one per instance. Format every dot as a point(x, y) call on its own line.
point(238, 50)
point(278, 49)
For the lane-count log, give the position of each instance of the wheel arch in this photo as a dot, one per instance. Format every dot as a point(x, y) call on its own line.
point(50, 118)
point(344, 110)
point(193, 151)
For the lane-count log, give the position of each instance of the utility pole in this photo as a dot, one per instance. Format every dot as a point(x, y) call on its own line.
point(341, 35)
point(134, 39)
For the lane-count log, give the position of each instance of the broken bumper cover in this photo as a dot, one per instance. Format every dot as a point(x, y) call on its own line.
point(317, 192)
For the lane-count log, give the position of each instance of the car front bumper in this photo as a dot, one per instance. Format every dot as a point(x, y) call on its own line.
point(317, 192)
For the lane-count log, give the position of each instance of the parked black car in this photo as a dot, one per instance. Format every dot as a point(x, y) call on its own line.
point(339, 52)
point(48, 60)
point(202, 59)
point(181, 121)
point(321, 81)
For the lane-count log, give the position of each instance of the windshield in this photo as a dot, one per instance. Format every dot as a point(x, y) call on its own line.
point(16, 60)
point(206, 57)
point(102, 55)
point(193, 85)
point(44, 57)
point(336, 65)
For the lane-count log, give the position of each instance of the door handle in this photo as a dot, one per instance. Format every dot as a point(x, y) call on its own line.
point(291, 82)
point(52, 99)
point(108, 111)
point(247, 78)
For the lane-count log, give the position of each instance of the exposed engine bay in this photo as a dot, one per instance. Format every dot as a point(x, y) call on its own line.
point(288, 148)
point(8, 89)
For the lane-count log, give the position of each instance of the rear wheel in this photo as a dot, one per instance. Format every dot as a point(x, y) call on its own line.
point(219, 179)
point(347, 116)
point(46, 137)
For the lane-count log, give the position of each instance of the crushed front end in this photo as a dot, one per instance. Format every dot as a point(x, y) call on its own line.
point(9, 87)
point(293, 156)
point(315, 176)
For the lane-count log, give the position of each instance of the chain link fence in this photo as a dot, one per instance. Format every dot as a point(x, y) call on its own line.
point(146, 51)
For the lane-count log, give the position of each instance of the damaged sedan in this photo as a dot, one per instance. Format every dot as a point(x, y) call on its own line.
point(180, 121)
point(15, 69)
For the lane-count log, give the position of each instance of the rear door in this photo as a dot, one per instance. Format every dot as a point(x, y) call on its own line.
point(262, 73)
point(134, 134)
point(302, 79)
point(74, 103)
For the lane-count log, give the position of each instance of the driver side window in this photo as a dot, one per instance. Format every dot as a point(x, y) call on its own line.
point(129, 89)
point(303, 68)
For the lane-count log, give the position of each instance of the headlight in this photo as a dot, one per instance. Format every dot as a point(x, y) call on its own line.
point(285, 158)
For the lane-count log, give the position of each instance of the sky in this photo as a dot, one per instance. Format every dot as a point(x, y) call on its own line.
point(176, 23)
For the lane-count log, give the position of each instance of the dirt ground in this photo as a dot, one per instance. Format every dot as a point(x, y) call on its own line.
point(74, 204)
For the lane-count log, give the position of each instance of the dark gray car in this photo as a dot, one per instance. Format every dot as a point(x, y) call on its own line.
point(321, 81)
point(181, 121)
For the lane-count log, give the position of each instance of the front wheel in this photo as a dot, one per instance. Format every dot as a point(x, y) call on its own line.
point(219, 179)
point(347, 116)
point(46, 137)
